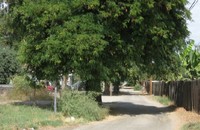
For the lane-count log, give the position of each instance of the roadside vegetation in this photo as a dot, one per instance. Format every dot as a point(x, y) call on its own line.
point(24, 90)
point(163, 100)
point(74, 107)
point(191, 126)
point(137, 87)
point(20, 117)
point(81, 105)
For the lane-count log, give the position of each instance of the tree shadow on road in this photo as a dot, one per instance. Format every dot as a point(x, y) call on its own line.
point(137, 93)
point(127, 108)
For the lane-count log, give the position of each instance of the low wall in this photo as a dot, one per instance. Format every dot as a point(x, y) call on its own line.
point(4, 88)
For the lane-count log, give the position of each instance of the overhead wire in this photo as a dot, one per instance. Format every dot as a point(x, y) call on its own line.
point(193, 4)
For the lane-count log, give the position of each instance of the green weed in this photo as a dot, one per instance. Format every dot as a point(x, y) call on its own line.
point(80, 105)
point(163, 100)
point(18, 117)
point(137, 87)
point(191, 126)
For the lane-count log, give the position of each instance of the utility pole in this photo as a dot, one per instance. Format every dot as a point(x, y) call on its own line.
point(55, 102)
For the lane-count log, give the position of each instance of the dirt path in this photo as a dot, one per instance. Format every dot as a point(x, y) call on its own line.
point(133, 112)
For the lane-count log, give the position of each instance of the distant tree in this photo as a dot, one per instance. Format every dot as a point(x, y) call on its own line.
point(190, 58)
point(8, 64)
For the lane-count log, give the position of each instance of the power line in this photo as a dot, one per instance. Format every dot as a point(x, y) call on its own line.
point(193, 4)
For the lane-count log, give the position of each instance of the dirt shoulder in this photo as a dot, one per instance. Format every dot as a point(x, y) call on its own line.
point(184, 117)
point(180, 116)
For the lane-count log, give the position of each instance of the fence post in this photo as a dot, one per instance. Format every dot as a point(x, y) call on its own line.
point(55, 104)
point(150, 84)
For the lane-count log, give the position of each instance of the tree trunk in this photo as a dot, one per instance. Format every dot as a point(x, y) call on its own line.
point(144, 91)
point(94, 86)
point(106, 89)
point(111, 88)
point(64, 83)
point(116, 88)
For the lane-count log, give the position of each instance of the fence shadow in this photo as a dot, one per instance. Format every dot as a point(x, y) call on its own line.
point(127, 108)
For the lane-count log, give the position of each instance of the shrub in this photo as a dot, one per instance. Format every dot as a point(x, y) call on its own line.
point(42, 94)
point(191, 126)
point(163, 100)
point(80, 105)
point(21, 88)
point(8, 65)
point(137, 87)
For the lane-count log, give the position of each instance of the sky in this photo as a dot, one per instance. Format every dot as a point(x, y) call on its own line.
point(194, 25)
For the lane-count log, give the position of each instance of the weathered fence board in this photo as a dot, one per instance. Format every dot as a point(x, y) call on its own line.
point(184, 93)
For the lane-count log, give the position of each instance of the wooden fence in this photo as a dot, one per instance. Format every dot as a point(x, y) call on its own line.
point(184, 93)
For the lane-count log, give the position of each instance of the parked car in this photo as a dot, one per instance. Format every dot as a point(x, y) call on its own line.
point(50, 88)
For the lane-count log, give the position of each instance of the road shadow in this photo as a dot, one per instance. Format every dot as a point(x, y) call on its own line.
point(136, 93)
point(127, 108)
point(44, 104)
point(128, 91)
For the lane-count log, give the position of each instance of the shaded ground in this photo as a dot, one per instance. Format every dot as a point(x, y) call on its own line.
point(133, 112)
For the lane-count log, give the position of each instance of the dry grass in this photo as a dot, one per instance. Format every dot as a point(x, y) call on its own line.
point(187, 116)
point(187, 120)
point(40, 94)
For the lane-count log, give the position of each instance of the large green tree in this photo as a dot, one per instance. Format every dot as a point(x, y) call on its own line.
point(99, 39)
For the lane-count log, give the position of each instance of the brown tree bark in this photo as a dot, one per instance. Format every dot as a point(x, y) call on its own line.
point(64, 83)
point(106, 89)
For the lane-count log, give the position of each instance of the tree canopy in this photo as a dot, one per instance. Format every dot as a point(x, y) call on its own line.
point(99, 39)
point(190, 58)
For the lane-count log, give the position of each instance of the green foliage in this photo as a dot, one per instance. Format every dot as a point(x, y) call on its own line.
point(137, 87)
point(23, 89)
point(190, 62)
point(20, 117)
point(97, 39)
point(8, 64)
point(79, 105)
point(191, 126)
point(163, 100)
point(136, 74)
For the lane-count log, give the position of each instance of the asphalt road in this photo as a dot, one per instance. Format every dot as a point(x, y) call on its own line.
point(133, 112)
